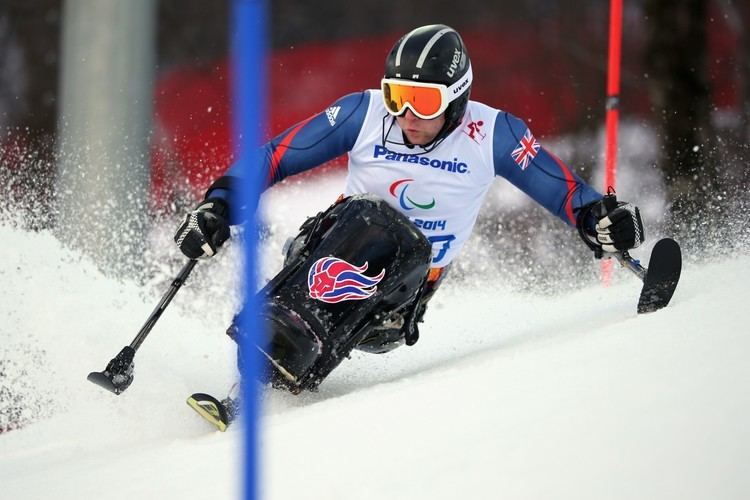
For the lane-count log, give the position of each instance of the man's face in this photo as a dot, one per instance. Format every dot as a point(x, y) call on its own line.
point(417, 130)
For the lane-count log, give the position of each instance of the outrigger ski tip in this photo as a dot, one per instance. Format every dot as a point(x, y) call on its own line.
point(661, 277)
point(210, 409)
point(103, 380)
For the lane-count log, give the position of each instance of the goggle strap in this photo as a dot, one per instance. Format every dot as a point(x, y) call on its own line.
point(456, 89)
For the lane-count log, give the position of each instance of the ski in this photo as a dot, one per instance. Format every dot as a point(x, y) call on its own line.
point(212, 410)
point(662, 275)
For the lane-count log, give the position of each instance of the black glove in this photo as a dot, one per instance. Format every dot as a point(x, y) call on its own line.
point(204, 229)
point(620, 228)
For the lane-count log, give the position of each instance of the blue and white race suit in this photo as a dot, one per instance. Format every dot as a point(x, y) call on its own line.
point(442, 190)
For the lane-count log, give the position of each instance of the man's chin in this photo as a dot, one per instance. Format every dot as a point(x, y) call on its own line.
point(417, 140)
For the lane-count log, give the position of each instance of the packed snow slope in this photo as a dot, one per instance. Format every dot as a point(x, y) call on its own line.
point(508, 394)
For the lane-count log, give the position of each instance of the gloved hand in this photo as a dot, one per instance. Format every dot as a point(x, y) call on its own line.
point(204, 229)
point(620, 227)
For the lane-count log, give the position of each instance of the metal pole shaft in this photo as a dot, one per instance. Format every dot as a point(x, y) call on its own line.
point(163, 303)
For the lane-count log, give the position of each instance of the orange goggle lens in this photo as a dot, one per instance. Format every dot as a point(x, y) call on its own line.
point(425, 101)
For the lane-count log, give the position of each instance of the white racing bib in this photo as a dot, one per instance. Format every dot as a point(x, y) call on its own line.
point(440, 191)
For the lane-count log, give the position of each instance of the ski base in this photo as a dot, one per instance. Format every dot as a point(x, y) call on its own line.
point(661, 278)
point(211, 409)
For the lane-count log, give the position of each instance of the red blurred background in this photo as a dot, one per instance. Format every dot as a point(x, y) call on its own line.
point(515, 69)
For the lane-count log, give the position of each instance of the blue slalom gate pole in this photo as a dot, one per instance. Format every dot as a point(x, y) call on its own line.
point(248, 51)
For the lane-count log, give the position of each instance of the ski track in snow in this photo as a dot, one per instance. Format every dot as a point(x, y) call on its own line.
point(505, 395)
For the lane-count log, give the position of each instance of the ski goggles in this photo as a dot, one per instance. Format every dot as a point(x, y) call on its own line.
point(425, 100)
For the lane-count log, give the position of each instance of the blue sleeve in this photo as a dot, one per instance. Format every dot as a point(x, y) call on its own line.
point(519, 158)
point(308, 144)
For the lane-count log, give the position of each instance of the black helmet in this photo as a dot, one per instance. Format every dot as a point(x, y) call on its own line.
point(433, 54)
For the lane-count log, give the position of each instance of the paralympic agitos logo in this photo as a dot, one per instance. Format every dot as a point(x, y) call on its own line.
point(453, 166)
point(399, 191)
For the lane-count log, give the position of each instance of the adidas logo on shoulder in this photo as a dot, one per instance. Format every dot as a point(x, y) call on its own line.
point(332, 113)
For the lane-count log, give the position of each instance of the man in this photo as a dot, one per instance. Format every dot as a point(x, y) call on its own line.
point(421, 145)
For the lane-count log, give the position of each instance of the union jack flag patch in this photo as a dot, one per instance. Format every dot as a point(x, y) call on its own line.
point(526, 150)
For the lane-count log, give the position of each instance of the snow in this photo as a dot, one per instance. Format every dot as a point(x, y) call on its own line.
point(508, 393)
